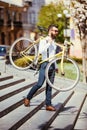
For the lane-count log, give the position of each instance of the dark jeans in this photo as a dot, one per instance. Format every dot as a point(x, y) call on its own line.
point(40, 82)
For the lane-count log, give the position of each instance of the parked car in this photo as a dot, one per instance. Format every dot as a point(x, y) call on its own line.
point(4, 52)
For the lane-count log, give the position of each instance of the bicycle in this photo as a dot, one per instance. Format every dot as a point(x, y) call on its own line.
point(24, 55)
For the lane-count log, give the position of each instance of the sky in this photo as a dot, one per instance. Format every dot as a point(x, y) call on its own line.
point(19, 2)
point(48, 1)
point(16, 2)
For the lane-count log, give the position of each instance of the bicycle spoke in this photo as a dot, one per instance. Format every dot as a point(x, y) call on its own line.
point(68, 78)
point(22, 53)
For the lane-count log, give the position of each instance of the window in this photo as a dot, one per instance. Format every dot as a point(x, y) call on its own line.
point(1, 13)
point(32, 17)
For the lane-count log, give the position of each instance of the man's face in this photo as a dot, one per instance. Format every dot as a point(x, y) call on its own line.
point(54, 32)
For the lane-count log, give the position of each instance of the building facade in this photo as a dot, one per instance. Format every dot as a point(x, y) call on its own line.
point(12, 18)
point(16, 21)
point(31, 17)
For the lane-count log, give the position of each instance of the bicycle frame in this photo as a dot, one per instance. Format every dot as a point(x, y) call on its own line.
point(30, 58)
point(60, 54)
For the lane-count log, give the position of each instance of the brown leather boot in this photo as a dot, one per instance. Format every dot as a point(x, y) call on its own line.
point(50, 108)
point(26, 102)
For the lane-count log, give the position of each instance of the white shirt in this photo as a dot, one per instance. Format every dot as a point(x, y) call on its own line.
point(44, 45)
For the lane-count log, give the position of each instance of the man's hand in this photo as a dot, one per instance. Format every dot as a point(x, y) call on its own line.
point(56, 70)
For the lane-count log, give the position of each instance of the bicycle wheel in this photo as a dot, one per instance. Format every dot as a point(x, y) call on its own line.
point(68, 79)
point(22, 53)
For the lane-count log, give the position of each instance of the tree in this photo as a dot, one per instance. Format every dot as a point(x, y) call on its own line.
point(79, 11)
point(48, 15)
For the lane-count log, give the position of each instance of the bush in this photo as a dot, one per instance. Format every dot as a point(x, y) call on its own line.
point(78, 60)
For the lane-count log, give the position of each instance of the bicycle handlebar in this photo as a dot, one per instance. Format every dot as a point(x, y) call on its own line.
point(67, 43)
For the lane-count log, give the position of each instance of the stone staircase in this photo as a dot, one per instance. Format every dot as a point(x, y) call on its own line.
point(71, 107)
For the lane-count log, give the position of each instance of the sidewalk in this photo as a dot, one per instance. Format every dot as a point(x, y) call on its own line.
point(9, 69)
point(70, 114)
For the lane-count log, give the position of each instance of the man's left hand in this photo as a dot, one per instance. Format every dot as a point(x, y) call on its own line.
point(56, 70)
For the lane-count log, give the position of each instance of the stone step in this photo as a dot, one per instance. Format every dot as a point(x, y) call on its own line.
point(22, 113)
point(5, 77)
point(81, 123)
point(10, 103)
point(68, 116)
point(10, 82)
point(27, 74)
point(71, 106)
point(42, 118)
point(14, 89)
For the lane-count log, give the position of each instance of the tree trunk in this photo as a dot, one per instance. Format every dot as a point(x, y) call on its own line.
point(84, 63)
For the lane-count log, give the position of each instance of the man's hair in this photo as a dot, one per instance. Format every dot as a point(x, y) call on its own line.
point(51, 26)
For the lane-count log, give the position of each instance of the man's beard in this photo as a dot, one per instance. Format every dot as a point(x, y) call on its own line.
point(53, 36)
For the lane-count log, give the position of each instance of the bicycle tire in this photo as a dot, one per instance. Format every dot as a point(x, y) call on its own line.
point(17, 59)
point(64, 82)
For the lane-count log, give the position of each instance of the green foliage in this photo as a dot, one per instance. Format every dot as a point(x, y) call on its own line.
point(78, 60)
point(48, 15)
point(24, 61)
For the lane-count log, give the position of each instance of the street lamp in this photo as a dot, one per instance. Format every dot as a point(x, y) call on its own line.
point(26, 4)
point(67, 16)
